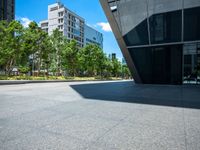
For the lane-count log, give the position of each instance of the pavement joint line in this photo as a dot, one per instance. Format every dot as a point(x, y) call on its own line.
point(44, 130)
point(184, 126)
point(184, 122)
point(109, 130)
point(59, 134)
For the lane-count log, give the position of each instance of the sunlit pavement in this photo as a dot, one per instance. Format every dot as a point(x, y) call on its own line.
point(99, 115)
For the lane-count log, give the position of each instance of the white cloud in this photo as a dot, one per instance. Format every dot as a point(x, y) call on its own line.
point(105, 26)
point(25, 21)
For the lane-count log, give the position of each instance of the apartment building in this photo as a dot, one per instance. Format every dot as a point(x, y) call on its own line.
point(71, 25)
point(68, 22)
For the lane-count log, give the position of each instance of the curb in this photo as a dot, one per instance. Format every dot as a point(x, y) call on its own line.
point(13, 82)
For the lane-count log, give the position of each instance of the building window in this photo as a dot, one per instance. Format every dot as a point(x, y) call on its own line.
point(160, 65)
point(60, 20)
point(138, 35)
point(54, 8)
point(60, 14)
point(192, 24)
point(166, 27)
point(60, 27)
point(73, 24)
point(44, 25)
point(113, 5)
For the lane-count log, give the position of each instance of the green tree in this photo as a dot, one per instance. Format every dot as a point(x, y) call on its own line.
point(116, 67)
point(46, 52)
point(91, 59)
point(10, 44)
point(126, 72)
point(37, 47)
point(57, 40)
point(70, 57)
point(31, 45)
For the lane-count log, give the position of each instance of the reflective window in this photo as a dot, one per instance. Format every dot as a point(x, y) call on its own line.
point(166, 27)
point(191, 63)
point(131, 17)
point(138, 35)
point(143, 61)
point(160, 65)
point(192, 24)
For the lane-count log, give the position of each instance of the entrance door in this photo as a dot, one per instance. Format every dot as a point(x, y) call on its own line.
point(191, 72)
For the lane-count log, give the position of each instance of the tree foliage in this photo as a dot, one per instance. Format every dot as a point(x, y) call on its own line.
point(10, 44)
point(33, 50)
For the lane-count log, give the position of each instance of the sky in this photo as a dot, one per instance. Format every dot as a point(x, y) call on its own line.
point(90, 10)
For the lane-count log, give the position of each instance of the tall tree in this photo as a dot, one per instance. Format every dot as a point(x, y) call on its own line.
point(10, 44)
point(116, 67)
point(91, 58)
point(31, 44)
point(70, 57)
point(46, 52)
point(57, 40)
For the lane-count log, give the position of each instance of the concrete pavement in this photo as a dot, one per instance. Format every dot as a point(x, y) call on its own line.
point(99, 115)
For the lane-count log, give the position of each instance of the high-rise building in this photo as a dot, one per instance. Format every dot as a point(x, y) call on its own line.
point(112, 56)
point(68, 22)
point(92, 36)
point(160, 39)
point(71, 25)
point(7, 10)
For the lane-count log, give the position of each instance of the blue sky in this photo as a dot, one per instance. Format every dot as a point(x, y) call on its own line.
point(91, 10)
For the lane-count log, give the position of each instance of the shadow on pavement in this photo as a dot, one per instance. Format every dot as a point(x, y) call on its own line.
point(187, 96)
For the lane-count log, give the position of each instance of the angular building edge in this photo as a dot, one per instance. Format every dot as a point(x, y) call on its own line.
point(120, 41)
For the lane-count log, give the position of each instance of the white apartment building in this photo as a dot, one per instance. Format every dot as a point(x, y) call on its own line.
point(92, 36)
point(69, 23)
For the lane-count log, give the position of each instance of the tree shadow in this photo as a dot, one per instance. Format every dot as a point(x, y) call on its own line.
point(186, 96)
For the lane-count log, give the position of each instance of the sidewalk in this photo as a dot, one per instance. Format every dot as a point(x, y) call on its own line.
point(99, 115)
point(7, 82)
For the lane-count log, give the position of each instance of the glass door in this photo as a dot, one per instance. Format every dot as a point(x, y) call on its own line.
point(191, 65)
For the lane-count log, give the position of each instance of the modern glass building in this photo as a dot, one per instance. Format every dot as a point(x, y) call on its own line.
point(160, 39)
point(7, 10)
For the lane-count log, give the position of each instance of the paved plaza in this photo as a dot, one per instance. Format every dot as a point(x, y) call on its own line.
point(99, 116)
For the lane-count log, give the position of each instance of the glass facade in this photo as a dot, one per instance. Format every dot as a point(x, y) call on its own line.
point(166, 27)
point(161, 36)
point(1, 10)
point(159, 65)
point(7, 10)
point(192, 24)
point(191, 63)
point(137, 36)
